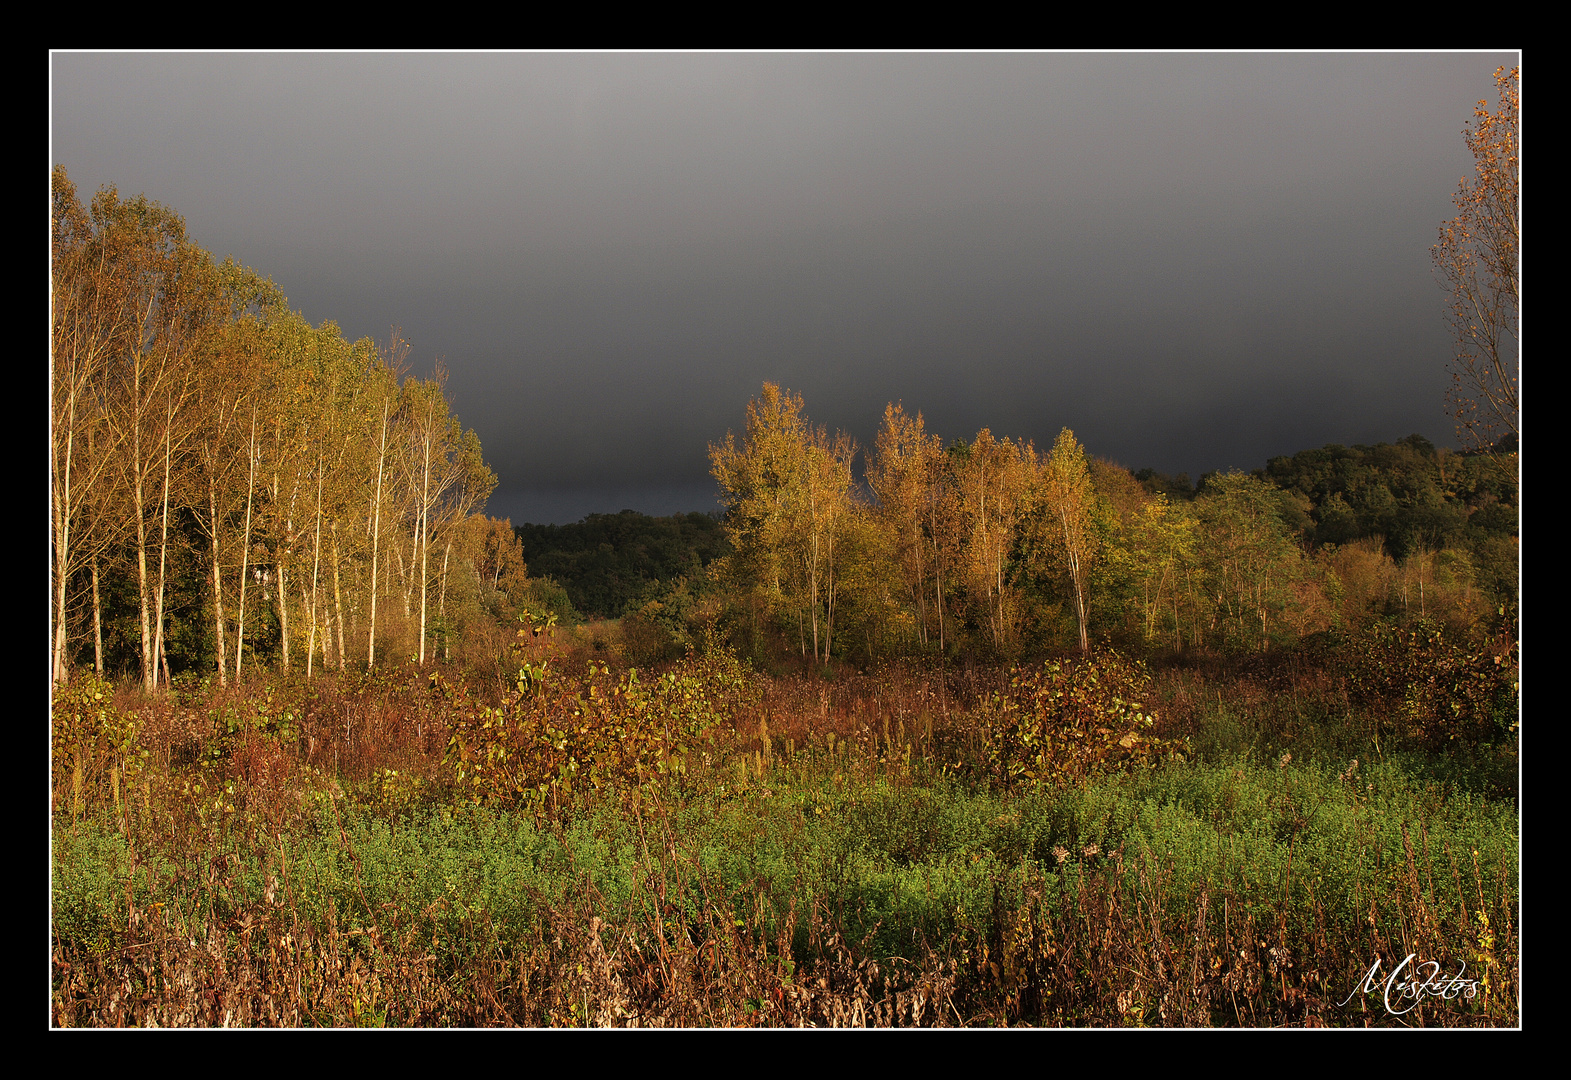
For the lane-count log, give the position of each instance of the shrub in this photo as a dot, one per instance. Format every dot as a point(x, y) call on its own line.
point(1438, 688)
point(647, 638)
point(1068, 719)
point(556, 731)
point(91, 741)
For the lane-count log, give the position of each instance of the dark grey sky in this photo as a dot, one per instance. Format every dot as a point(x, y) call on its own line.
point(1197, 261)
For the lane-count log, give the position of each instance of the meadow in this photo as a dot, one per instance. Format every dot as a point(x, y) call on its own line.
point(1080, 842)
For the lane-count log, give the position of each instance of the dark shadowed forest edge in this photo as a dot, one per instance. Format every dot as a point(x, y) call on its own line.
point(941, 732)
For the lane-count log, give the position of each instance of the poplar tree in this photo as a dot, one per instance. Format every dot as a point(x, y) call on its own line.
point(445, 479)
point(993, 484)
point(905, 473)
point(827, 509)
point(89, 317)
point(226, 396)
point(1251, 566)
point(385, 376)
point(789, 490)
point(761, 481)
point(166, 287)
point(1068, 495)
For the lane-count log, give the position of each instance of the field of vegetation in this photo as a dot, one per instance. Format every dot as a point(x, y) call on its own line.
point(1082, 841)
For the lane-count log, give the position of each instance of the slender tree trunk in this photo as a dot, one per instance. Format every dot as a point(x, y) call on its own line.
point(425, 577)
point(139, 507)
point(356, 598)
point(441, 603)
point(1076, 577)
point(406, 585)
point(163, 552)
point(376, 536)
point(998, 589)
point(283, 612)
point(938, 588)
point(98, 624)
point(1080, 601)
point(1080, 612)
point(144, 601)
point(283, 561)
point(424, 536)
point(62, 509)
point(218, 585)
point(310, 640)
point(245, 553)
point(829, 615)
point(316, 570)
point(812, 589)
point(425, 548)
point(338, 600)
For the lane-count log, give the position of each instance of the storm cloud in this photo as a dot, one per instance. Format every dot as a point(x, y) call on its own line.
point(1197, 261)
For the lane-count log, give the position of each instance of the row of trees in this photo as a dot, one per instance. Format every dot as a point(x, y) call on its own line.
point(991, 546)
point(942, 546)
point(200, 426)
point(964, 520)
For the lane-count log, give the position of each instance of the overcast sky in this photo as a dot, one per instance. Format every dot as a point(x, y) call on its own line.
point(1196, 261)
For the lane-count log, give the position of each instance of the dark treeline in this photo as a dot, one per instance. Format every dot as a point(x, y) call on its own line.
point(608, 562)
point(1410, 496)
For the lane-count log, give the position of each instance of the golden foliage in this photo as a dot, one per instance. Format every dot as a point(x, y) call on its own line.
point(1478, 263)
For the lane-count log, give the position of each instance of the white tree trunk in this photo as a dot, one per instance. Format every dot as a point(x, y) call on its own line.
point(218, 585)
point(338, 600)
point(245, 554)
point(316, 569)
point(98, 625)
point(376, 537)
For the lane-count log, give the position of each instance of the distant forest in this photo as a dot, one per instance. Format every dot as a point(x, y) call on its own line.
point(609, 563)
point(1408, 495)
